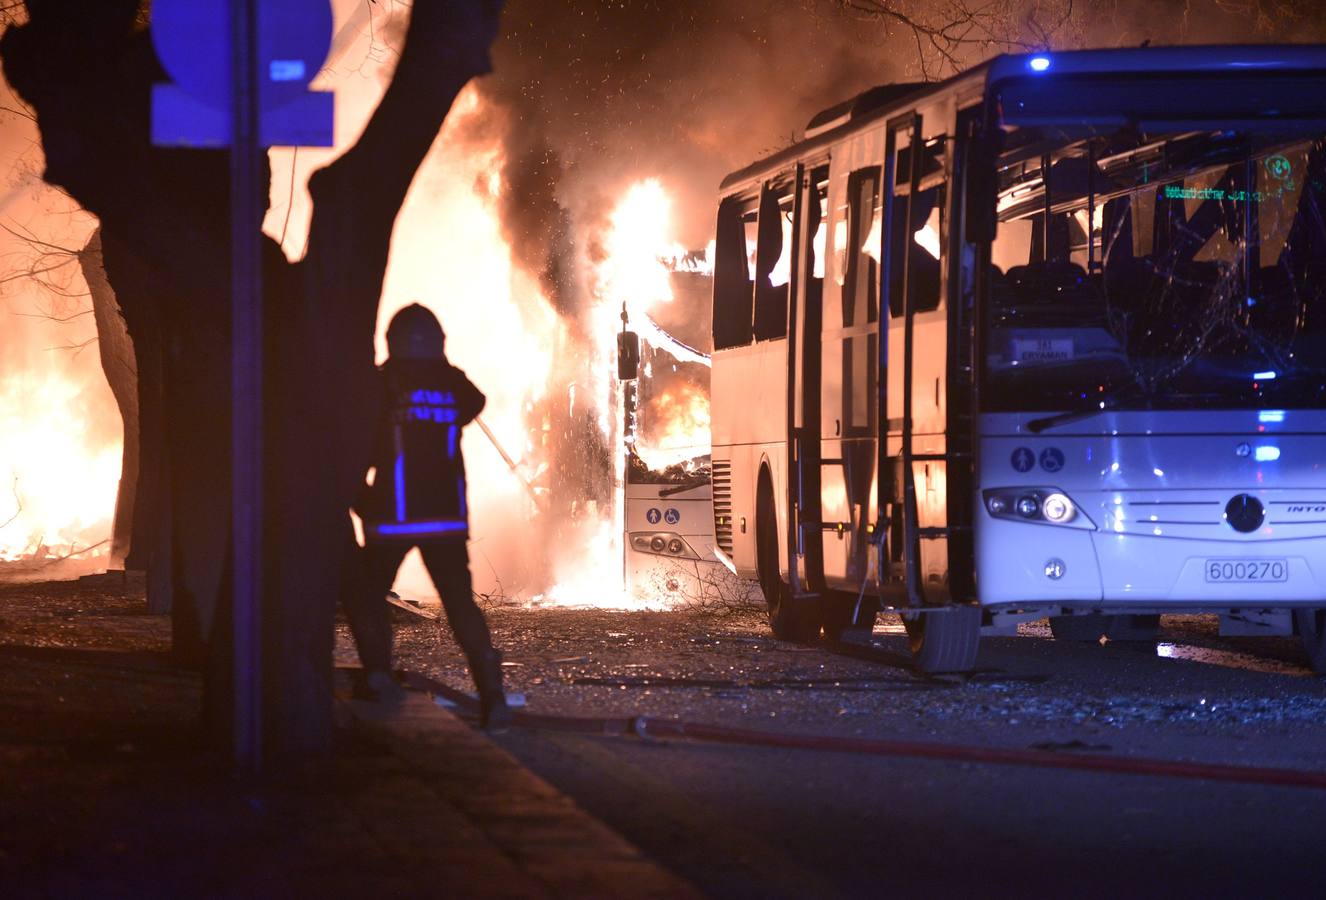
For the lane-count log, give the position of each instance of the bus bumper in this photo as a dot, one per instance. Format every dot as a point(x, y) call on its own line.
point(1024, 564)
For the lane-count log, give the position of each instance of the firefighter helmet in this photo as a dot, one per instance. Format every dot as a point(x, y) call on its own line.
point(415, 333)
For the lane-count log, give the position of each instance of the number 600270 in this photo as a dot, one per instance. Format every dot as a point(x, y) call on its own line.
point(1247, 570)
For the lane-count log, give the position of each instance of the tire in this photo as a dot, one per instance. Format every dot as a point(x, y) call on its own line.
point(1092, 626)
point(837, 609)
point(1312, 630)
point(790, 618)
point(945, 641)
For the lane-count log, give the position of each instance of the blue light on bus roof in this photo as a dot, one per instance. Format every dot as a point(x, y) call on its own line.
point(1266, 454)
point(1263, 376)
point(1271, 415)
point(421, 528)
point(1038, 63)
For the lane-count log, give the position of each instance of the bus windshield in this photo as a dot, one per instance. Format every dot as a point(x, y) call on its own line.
point(1159, 272)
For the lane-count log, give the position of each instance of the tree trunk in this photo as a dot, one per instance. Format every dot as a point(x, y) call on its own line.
point(121, 369)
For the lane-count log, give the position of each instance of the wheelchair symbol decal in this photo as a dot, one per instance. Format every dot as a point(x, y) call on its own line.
point(1052, 459)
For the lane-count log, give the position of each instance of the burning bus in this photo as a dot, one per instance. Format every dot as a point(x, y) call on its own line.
point(1045, 339)
point(668, 542)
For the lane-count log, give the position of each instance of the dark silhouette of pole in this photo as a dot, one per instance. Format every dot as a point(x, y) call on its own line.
point(246, 213)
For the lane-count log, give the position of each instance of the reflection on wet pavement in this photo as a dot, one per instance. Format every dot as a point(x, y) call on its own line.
point(1231, 659)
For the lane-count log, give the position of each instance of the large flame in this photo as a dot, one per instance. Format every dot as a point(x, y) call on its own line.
point(678, 427)
point(633, 276)
point(57, 479)
point(60, 444)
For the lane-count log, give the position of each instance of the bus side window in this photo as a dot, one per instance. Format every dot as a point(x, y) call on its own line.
point(864, 244)
point(817, 226)
point(773, 265)
point(733, 290)
point(926, 229)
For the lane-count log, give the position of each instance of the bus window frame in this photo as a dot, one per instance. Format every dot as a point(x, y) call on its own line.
point(856, 250)
point(769, 310)
point(937, 150)
point(732, 323)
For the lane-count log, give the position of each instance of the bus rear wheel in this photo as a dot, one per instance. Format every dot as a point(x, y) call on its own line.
point(791, 618)
point(1092, 626)
point(946, 640)
point(1312, 630)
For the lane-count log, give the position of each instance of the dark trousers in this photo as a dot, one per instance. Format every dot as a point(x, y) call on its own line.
point(372, 569)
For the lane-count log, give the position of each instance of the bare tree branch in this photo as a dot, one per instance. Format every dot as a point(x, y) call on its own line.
point(951, 35)
point(52, 317)
point(29, 237)
point(18, 509)
point(77, 348)
point(74, 551)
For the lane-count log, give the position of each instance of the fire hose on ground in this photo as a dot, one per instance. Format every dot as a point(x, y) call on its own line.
point(511, 463)
point(649, 727)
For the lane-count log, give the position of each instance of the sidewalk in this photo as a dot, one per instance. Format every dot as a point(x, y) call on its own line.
point(104, 793)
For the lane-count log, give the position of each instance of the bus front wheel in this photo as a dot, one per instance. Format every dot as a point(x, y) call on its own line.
point(945, 640)
point(791, 618)
point(1312, 630)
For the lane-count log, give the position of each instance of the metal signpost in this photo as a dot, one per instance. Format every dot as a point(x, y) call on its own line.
point(248, 93)
point(246, 213)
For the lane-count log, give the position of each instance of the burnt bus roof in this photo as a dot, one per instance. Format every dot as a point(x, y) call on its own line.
point(882, 101)
point(868, 106)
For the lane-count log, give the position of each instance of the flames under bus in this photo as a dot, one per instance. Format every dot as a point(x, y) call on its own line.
point(1048, 339)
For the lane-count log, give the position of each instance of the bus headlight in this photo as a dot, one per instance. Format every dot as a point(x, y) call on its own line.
point(1057, 508)
point(662, 543)
point(1044, 506)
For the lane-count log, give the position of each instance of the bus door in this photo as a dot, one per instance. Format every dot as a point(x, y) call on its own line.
point(849, 364)
point(806, 326)
point(914, 281)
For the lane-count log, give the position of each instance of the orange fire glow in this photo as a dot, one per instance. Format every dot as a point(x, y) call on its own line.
point(679, 428)
point(57, 480)
point(449, 252)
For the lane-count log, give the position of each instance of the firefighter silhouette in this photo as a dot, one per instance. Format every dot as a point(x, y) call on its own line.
point(417, 498)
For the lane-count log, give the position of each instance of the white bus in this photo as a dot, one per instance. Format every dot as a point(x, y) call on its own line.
point(1046, 339)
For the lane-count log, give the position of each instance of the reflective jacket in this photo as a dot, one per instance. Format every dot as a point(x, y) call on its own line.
point(418, 491)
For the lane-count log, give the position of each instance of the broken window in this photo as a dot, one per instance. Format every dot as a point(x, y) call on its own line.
point(863, 244)
point(773, 266)
point(734, 273)
point(819, 224)
point(917, 238)
point(1162, 271)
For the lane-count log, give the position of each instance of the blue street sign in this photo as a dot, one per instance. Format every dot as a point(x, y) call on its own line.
point(192, 40)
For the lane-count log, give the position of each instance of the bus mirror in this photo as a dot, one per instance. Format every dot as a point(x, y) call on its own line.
point(628, 356)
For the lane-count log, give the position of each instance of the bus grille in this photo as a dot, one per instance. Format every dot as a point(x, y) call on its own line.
point(722, 487)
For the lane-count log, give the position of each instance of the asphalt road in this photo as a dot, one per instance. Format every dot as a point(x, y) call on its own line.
point(748, 821)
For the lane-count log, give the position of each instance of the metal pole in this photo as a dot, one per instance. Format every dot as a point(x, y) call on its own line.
point(246, 211)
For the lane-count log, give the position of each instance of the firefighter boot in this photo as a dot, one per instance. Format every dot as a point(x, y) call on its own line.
point(494, 714)
point(378, 686)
